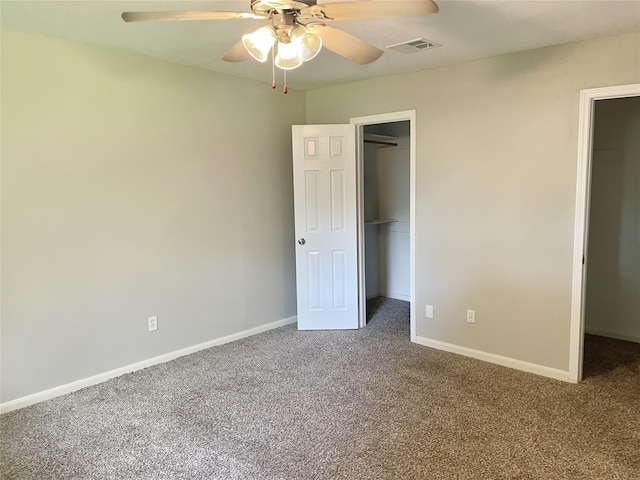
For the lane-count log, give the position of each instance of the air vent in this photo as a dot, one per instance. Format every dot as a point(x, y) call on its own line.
point(413, 46)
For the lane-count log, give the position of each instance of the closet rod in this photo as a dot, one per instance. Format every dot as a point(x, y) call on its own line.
point(378, 142)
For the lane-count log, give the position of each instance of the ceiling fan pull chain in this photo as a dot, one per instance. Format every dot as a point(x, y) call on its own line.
point(273, 68)
point(284, 90)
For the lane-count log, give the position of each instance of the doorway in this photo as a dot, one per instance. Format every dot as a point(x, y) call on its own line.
point(604, 202)
point(612, 298)
point(386, 211)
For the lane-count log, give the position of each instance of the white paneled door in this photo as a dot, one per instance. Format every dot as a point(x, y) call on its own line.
point(324, 178)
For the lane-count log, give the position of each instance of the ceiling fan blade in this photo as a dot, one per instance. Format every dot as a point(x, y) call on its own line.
point(371, 8)
point(237, 53)
point(185, 15)
point(345, 45)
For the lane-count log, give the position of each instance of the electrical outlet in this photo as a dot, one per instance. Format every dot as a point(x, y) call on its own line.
point(471, 316)
point(153, 323)
point(429, 311)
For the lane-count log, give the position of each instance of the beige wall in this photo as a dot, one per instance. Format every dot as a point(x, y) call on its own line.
point(496, 177)
point(133, 187)
point(613, 268)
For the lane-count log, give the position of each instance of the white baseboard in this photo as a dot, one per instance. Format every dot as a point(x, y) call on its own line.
point(497, 359)
point(617, 336)
point(103, 377)
point(399, 296)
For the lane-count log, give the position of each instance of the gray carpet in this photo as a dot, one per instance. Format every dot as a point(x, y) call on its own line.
point(364, 404)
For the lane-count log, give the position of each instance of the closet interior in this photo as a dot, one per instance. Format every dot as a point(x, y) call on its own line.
point(387, 211)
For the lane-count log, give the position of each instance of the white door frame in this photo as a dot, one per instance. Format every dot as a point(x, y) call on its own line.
point(361, 122)
point(583, 193)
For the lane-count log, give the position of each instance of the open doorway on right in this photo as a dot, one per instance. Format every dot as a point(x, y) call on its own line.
point(612, 308)
point(386, 202)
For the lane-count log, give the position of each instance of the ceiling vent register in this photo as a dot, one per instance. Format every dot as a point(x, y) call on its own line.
point(413, 46)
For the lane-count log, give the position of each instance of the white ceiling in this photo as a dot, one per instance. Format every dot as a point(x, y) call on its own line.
point(467, 30)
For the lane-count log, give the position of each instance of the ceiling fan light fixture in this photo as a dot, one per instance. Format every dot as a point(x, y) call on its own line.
point(308, 44)
point(287, 57)
point(259, 43)
point(288, 41)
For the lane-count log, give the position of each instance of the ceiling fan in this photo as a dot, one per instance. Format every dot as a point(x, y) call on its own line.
point(292, 42)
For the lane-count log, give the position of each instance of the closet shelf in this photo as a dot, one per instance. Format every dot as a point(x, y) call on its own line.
point(380, 221)
point(380, 140)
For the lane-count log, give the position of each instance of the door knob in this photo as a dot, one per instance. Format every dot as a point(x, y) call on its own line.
point(302, 241)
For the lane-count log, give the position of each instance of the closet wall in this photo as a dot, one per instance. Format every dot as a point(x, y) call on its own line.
point(386, 197)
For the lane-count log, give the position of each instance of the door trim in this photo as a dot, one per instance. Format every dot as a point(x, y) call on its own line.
point(361, 122)
point(581, 225)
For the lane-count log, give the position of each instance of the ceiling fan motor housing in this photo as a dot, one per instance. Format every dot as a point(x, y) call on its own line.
point(265, 6)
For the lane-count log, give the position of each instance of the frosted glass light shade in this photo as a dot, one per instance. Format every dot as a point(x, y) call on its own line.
point(260, 42)
point(287, 57)
point(308, 44)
